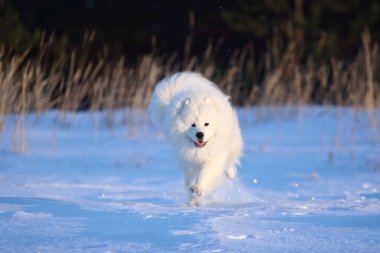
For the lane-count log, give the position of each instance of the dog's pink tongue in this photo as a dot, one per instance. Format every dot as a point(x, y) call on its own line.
point(199, 144)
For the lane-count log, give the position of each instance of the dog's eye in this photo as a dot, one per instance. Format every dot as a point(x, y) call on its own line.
point(206, 124)
point(193, 125)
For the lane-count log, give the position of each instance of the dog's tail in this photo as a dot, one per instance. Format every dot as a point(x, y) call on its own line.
point(166, 89)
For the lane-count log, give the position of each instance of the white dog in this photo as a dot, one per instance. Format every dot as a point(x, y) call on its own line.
point(203, 128)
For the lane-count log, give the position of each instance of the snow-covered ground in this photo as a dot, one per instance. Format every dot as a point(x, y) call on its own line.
point(309, 182)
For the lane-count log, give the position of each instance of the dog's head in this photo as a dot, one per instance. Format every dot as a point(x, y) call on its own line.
point(197, 120)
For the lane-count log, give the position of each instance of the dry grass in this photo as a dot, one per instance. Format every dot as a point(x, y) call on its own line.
point(73, 82)
point(35, 82)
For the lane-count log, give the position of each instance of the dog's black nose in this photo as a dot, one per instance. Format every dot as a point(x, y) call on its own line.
point(200, 135)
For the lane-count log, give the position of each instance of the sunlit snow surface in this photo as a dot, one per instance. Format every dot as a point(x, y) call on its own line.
point(309, 181)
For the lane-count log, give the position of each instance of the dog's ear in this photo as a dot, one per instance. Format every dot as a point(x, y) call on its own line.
point(180, 105)
point(214, 102)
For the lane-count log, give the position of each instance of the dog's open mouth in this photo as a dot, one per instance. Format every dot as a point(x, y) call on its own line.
point(200, 144)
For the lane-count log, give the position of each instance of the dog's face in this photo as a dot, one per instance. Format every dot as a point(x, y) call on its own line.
point(201, 126)
point(197, 121)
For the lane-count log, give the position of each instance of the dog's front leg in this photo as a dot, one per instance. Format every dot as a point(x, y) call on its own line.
point(195, 194)
point(191, 174)
point(209, 178)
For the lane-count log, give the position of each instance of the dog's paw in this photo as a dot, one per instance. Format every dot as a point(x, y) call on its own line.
point(196, 201)
point(195, 190)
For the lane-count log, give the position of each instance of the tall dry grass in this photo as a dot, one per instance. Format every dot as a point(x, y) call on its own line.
point(74, 82)
point(33, 82)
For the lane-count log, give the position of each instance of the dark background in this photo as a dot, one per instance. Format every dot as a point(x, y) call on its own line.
point(134, 28)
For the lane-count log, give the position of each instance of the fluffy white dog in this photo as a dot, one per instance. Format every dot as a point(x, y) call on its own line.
point(203, 128)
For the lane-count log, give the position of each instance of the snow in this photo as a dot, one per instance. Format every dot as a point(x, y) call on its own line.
point(90, 182)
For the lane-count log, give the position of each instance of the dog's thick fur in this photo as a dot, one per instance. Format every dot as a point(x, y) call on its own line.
point(203, 128)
